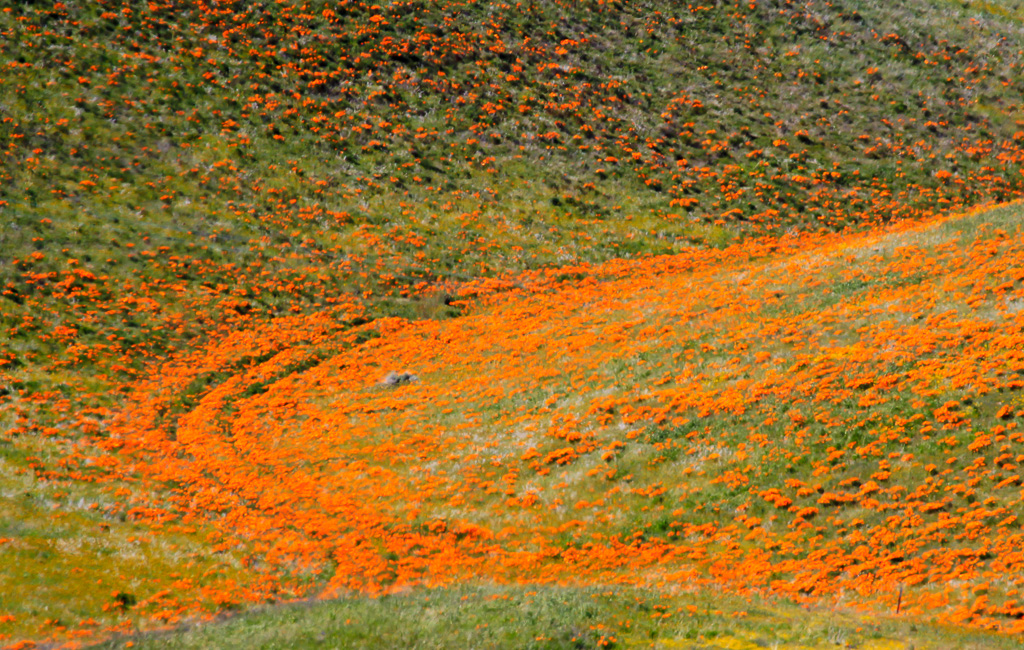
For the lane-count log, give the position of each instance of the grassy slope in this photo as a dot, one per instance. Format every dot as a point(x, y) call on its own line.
point(553, 618)
point(178, 170)
point(202, 163)
point(779, 441)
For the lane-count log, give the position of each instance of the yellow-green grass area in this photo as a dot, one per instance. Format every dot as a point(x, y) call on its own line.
point(73, 564)
point(556, 617)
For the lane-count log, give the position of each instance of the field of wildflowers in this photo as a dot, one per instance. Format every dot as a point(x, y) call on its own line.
point(696, 298)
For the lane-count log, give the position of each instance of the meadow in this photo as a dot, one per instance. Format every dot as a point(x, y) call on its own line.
point(714, 313)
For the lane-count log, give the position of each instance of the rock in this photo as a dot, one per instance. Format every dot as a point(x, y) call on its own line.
point(395, 378)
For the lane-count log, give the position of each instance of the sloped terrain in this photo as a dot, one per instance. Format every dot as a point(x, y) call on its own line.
point(827, 419)
point(550, 617)
point(677, 284)
point(169, 166)
point(822, 417)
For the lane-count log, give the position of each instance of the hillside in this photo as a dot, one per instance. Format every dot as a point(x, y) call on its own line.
point(825, 417)
point(822, 418)
point(172, 165)
point(830, 420)
point(680, 286)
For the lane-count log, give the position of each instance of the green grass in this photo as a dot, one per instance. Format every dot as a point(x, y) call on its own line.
point(74, 559)
point(550, 618)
